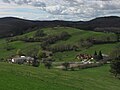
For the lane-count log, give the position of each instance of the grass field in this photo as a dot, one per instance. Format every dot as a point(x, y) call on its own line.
point(19, 77)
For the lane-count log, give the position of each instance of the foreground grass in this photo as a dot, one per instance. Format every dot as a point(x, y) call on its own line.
point(16, 77)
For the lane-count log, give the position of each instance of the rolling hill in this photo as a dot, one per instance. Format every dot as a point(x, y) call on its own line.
point(11, 26)
point(76, 36)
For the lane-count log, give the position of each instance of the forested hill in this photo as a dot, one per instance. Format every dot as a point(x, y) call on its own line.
point(10, 26)
point(111, 23)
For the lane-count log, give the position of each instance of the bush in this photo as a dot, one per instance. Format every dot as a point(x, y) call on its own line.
point(115, 67)
point(35, 63)
point(41, 55)
point(2, 59)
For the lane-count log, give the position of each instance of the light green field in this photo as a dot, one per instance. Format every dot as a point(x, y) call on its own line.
point(19, 77)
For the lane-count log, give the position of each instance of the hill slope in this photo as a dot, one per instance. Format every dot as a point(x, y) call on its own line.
point(76, 36)
point(16, 77)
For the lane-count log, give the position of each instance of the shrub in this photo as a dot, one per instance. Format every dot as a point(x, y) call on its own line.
point(66, 65)
point(35, 62)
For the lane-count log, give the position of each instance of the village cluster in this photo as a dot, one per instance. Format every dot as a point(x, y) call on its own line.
point(83, 59)
point(22, 60)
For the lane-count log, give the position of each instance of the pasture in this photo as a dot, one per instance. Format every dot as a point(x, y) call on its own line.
point(23, 77)
point(20, 77)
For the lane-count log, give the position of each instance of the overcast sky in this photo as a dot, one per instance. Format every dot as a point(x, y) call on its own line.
point(74, 10)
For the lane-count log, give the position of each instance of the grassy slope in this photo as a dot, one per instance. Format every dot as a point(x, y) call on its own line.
point(70, 55)
point(76, 35)
point(15, 77)
point(16, 45)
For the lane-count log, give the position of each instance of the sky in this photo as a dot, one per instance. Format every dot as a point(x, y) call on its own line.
point(70, 10)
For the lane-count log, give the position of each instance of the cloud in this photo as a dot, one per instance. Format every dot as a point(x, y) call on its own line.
point(6, 1)
point(66, 9)
point(38, 4)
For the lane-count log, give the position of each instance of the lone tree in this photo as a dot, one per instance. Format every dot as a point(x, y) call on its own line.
point(95, 53)
point(36, 62)
point(100, 55)
point(115, 67)
point(95, 56)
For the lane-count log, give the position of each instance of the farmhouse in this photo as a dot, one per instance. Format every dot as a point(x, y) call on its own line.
point(21, 60)
point(84, 56)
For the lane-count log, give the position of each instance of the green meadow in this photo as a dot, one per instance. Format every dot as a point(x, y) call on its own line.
point(23, 77)
point(20, 77)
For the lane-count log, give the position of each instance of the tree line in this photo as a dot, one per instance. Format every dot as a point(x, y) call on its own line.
point(53, 39)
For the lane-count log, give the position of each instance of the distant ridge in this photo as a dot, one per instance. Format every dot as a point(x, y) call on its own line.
point(14, 26)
